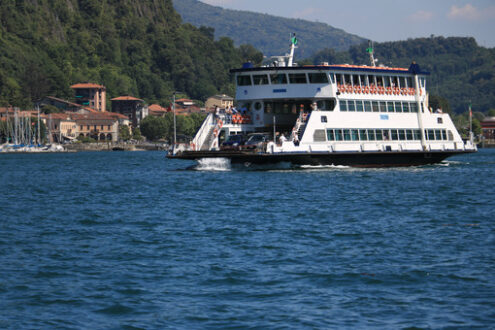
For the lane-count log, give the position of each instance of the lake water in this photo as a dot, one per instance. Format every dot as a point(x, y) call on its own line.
point(133, 240)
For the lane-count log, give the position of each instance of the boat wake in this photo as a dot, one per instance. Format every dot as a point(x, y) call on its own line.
point(323, 167)
point(213, 164)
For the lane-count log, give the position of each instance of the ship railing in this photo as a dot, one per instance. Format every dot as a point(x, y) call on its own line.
point(203, 133)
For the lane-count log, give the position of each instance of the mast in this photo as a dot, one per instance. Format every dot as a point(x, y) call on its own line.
point(369, 50)
point(39, 138)
point(293, 44)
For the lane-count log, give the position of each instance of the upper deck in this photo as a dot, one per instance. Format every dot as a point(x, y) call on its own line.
point(323, 81)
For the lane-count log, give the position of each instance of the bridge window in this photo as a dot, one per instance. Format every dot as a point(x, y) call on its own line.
point(359, 105)
point(367, 106)
point(278, 78)
point(297, 78)
point(318, 78)
point(244, 80)
point(260, 79)
point(328, 105)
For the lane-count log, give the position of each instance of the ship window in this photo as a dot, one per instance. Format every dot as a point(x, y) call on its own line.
point(347, 135)
point(260, 79)
point(343, 105)
point(438, 134)
point(371, 80)
point(375, 106)
point(278, 78)
point(367, 106)
point(364, 82)
point(318, 78)
point(297, 78)
point(319, 135)
point(402, 82)
point(328, 105)
point(354, 135)
point(394, 134)
point(338, 77)
point(351, 106)
point(390, 106)
point(338, 135)
point(451, 136)
point(244, 80)
point(402, 135)
point(330, 135)
point(444, 134)
point(439, 120)
point(371, 135)
point(409, 82)
point(379, 81)
point(417, 134)
point(409, 134)
point(323, 119)
point(347, 79)
point(405, 106)
point(386, 134)
point(430, 134)
point(383, 107)
point(398, 107)
point(386, 81)
point(379, 135)
point(359, 105)
point(362, 135)
point(395, 82)
point(413, 107)
point(355, 80)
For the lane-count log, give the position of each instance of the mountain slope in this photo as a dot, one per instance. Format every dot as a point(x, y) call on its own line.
point(132, 47)
point(270, 34)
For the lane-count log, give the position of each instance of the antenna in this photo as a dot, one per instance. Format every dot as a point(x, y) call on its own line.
point(369, 50)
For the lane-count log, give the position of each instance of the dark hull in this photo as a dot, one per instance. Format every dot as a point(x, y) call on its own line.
point(355, 159)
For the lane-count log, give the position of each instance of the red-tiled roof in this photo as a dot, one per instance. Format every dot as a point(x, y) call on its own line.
point(126, 98)
point(87, 85)
point(157, 108)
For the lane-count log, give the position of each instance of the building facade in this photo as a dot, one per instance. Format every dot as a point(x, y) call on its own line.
point(222, 101)
point(91, 95)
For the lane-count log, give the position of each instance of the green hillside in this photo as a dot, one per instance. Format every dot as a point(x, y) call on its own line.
point(461, 71)
point(140, 48)
point(268, 33)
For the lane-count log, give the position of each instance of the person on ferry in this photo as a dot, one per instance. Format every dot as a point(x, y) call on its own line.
point(282, 139)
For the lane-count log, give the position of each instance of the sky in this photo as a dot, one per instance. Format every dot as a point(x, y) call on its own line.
point(386, 20)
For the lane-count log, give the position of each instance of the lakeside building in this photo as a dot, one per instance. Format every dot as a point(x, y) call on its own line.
point(488, 130)
point(97, 125)
point(130, 106)
point(222, 101)
point(157, 110)
point(91, 95)
point(185, 107)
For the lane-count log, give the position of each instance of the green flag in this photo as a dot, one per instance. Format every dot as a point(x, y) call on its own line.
point(294, 40)
point(369, 50)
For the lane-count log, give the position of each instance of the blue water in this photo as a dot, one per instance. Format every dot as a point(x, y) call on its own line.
point(133, 240)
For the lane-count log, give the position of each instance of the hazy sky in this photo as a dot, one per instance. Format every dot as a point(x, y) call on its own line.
point(386, 20)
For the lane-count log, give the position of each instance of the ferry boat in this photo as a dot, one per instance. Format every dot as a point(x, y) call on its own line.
point(353, 115)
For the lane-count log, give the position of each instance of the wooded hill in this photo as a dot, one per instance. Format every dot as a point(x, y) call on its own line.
point(270, 34)
point(461, 71)
point(138, 48)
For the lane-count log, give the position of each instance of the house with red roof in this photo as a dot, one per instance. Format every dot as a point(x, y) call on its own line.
point(130, 106)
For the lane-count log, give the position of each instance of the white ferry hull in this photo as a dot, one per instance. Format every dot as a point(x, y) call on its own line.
point(353, 159)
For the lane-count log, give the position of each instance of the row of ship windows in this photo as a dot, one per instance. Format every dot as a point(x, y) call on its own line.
point(354, 134)
point(378, 106)
point(364, 80)
point(281, 78)
point(322, 78)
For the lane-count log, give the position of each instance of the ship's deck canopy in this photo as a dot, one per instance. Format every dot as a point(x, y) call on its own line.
point(413, 69)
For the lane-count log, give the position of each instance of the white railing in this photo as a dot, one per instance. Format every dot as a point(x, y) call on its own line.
point(202, 133)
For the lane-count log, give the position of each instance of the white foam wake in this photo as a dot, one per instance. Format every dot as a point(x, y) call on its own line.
point(213, 164)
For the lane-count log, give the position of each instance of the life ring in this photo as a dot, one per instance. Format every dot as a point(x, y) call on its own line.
point(215, 132)
point(193, 146)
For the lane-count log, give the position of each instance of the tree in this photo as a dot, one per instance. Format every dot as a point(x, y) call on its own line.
point(124, 133)
point(136, 134)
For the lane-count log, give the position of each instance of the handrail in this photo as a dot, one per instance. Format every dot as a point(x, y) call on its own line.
point(202, 134)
